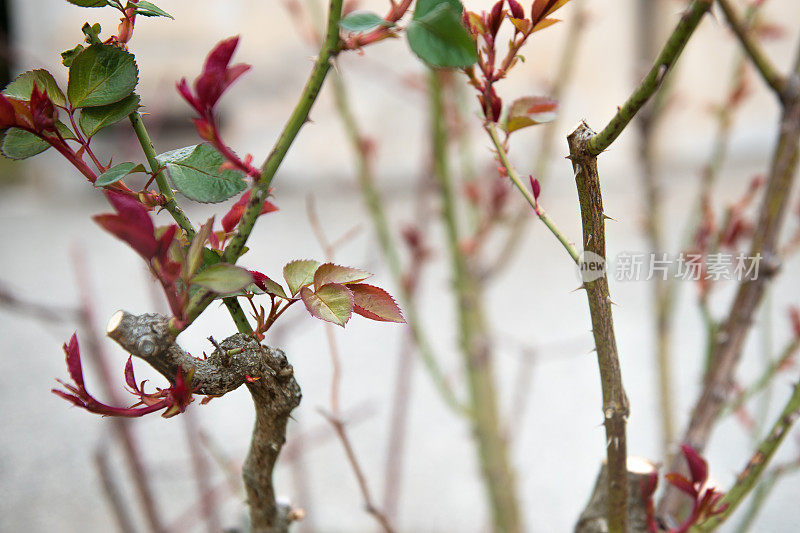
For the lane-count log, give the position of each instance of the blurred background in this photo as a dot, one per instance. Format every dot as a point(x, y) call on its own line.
point(547, 377)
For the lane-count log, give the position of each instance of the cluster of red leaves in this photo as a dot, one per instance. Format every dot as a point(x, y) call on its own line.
point(494, 67)
point(736, 227)
point(234, 216)
point(705, 499)
point(217, 76)
point(174, 399)
point(38, 115)
point(133, 225)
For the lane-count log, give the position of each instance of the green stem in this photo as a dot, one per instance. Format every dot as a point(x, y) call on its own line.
point(174, 209)
point(377, 213)
point(669, 54)
point(171, 205)
point(759, 59)
point(474, 341)
point(512, 174)
point(238, 315)
point(260, 191)
point(757, 464)
point(766, 377)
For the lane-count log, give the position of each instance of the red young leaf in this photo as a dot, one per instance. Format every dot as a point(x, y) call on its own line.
point(232, 217)
point(8, 115)
point(697, 465)
point(681, 483)
point(268, 285)
point(375, 303)
point(43, 111)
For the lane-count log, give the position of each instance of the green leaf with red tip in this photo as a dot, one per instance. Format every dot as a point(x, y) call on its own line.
point(263, 284)
point(331, 273)
point(375, 303)
point(223, 278)
point(530, 111)
point(332, 302)
point(22, 86)
point(299, 274)
point(117, 172)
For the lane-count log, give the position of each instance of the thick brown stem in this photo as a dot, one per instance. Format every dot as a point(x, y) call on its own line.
point(593, 519)
point(615, 402)
point(239, 359)
point(731, 337)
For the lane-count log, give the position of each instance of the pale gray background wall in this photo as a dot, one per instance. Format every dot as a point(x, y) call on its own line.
point(47, 480)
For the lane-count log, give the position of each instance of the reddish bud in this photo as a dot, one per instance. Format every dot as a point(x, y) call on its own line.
point(43, 111)
point(205, 129)
point(535, 187)
point(495, 17)
point(516, 9)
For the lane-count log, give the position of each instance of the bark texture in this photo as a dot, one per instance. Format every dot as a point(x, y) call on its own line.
point(239, 359)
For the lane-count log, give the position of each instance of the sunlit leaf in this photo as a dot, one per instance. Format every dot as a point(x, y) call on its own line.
point(331, 273)
point(299, 274)
point(332, 302)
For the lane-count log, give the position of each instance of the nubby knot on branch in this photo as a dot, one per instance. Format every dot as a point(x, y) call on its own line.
point(239, 359)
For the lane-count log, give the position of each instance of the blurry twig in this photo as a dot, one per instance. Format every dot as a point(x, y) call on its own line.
point(93, 347)
point(111, 491)
point(334, 416)
point(547, 145)
point(202, 476)
point(38, 311)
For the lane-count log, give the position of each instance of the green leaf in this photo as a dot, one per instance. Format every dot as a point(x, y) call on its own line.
point(148, 9)
point(93, 119)
point(194, 171)
point(332, 302)
point(21, 144)
point(22, 86)
point(92, 33)
point(89, 3)
point(299, 274)
point(101, 75)
point(223, 278)
point(194, 256)
point(438, 37)
point(116, 173)
point(424, 7)
point(67, 56)
point(273, 287)
point(375, 303)
point(330, 273)
point(362, 21)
